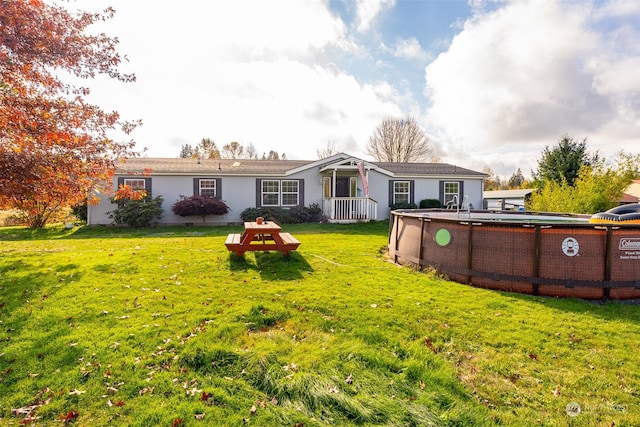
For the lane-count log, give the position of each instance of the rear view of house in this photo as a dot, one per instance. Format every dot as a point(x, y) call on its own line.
point(346, 188)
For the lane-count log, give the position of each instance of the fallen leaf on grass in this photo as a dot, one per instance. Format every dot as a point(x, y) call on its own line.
point(253, 410)
point(199, 416)
point(349, 379)
point(68, 417)
point(430, 345)
point(177, 422)
point(556, 392)
point(533, 356)
point(76, 391)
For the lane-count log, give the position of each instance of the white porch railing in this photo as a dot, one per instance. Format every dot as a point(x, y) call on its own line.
point(350, 209)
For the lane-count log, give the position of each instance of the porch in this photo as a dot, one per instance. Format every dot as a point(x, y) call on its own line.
point(350, 209)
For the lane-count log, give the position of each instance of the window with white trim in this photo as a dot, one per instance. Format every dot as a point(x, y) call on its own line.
point(207, 187)
point(451, 191)
point(290, 193)
point(135, 183)
point(270, 193)
point(401, 192)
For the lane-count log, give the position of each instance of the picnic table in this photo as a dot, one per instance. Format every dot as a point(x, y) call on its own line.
point(266, 236)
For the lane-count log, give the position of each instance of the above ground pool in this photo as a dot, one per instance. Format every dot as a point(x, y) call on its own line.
point(539, 254)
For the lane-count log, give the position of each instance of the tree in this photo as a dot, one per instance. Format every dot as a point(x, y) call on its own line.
point(207, 149)
point(517, 180)
point(399, 140)
point(188, 152)
point(492, 182)
point(562, 163)
point(597, 188)
point(232, 150)
point(199, 206)
point(273, 155)
point(328, 151)
point(54, 148)
point(250, 152)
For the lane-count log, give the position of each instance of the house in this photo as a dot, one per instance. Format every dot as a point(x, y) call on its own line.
point(347, 188)
point(631, 194)
point(507, 199)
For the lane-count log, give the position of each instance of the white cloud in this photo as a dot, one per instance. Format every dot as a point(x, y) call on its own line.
point(516, 79)
point(409, 49)
point(247, 71)
point(368, 10)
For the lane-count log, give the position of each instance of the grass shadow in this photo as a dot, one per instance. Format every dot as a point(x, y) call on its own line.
point(271, 265)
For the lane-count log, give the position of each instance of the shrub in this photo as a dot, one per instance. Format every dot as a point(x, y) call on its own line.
point(80, 211)
point(404, 205)
point(430, 203)
point(295, 215)
point(199, 206)
point(136, 213)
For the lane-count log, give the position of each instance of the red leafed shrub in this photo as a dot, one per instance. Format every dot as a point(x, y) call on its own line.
point(199, 206)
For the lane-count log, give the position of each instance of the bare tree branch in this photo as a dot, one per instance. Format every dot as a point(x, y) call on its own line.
point(399, 140)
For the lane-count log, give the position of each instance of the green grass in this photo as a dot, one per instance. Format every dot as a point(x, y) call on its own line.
point(108, 326)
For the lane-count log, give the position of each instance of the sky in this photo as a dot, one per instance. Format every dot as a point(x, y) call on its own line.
point(491, 82)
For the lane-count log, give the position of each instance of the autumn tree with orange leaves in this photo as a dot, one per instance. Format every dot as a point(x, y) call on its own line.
point(54, 146)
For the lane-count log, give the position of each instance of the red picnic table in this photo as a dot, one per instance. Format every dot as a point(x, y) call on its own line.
point(267, 236)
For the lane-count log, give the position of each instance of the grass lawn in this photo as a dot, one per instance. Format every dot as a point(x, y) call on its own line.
point(162, 327)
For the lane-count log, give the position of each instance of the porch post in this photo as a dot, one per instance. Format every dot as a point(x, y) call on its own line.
point(333, 195)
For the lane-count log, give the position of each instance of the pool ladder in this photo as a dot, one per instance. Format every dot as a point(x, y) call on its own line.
point(464, 210)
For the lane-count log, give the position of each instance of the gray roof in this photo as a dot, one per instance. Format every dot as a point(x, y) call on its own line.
point(181, 166)
point(508, 194)
point(426, 169)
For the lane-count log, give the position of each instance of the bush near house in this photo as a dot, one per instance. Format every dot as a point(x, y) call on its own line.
point(295, 215)
point(136, 213)
point(199, 206)
point(430, 203)
point(403, 205)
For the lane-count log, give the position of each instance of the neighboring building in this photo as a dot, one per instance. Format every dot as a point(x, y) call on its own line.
point(631, 193)
point(507, 199)
point(347, 188)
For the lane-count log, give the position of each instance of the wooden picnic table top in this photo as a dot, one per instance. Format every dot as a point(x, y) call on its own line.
point(261, 237)
point(267, 226)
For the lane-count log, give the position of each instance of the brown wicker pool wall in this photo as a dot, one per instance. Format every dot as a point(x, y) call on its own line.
point(553, 259)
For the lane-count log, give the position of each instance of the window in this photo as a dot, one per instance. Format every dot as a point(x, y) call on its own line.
point(326, 185)
point(135, 183)
point(207, 187)
point(275, 192)
point(401, 192)
point(451, 191)
point(211, 187)
point(270, 193)
point(289, 193)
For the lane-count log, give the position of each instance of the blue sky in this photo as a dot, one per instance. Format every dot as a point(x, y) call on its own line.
point(492, 82)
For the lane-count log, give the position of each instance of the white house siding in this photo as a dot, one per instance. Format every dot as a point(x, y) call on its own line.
point(174, 177)
point(238, 192)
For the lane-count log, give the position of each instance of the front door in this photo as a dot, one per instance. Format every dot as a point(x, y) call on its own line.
point(342, 186)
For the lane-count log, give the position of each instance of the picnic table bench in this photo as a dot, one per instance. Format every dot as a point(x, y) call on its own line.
point(266, 236)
